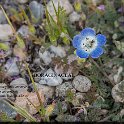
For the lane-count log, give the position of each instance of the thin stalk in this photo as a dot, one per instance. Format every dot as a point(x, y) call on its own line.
point(35, 88)
point(8, 19)
point(34, 85)
point(102, 71)
point(20, 41)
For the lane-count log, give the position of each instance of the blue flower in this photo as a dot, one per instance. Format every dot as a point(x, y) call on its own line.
point(87, 43)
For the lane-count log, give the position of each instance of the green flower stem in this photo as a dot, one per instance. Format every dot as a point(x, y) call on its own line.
point(102, 71)
point(35, 88)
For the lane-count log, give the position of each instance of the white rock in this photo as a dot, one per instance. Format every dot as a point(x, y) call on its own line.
point(5, 92)
point(118, 92)
point(19, 85)
point(51, 52)
point(63, 3)
point(74, 16)
point(62, 89)
point(52, 79)
point(24, 31)
point(48, 91)
point(22, 1)
point(11, 67)
point(2, 17)
point(5, 32)
point(46, 57)
point(58, 51)
point(81, 83)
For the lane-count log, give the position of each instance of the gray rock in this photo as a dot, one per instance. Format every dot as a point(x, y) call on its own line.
point(46, 57)
point(11, 67)
point(58, 51)
point(51, 79)
point(81, 83)
point(63, 3)
point(62, 89)
point(118, 92)
point(37, 61)
point(24, 31)
point(51, 52)
point(2, 18)
point(66, 75)
point(67, 118)
point(22, 1)
point(7, 109)
point(48, 91)
point(19, 85)
point(5, 92)
point(74, 16)
point(5, 32)
point(37, 10)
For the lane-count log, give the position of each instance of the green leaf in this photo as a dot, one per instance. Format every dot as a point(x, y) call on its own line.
point(22, 112)
point(4, 46)
point(20, 42)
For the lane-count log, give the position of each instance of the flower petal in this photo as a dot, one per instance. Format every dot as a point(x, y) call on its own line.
point(88, 31)
point(97, 52)
point(77, 41)
point(101, 39)
point(81, 53)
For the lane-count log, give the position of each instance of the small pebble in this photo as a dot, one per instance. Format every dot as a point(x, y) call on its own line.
point(81, 83)
point(5, 32)
point(51, 79)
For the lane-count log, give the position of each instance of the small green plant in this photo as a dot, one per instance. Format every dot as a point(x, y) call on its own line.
point(57, 26)
point(5, 118)
point(70, 96)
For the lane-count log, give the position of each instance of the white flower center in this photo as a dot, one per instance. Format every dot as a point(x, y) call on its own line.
point(89, 44)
